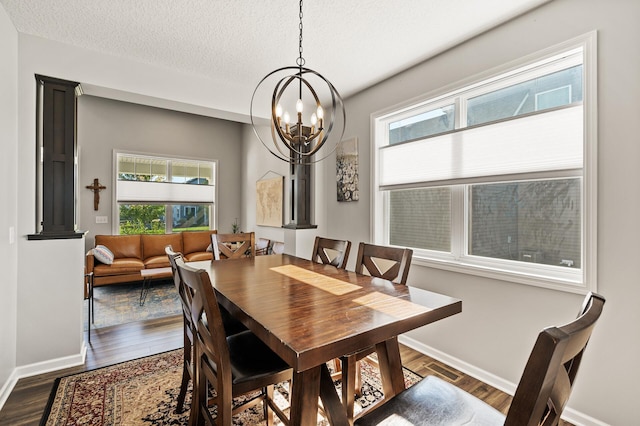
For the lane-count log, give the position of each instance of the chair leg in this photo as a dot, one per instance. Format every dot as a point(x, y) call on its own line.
point(183, 389)
point(349, 368)
point(268, 415)
point(357, 383)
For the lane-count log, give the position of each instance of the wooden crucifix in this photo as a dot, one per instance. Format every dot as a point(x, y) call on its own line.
point(96, 188)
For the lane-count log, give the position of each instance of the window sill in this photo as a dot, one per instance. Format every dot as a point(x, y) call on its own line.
point(533, 278)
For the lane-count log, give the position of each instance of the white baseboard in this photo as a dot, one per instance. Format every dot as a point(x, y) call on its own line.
point(40, 368)
point(575, 417)
point(7, 388)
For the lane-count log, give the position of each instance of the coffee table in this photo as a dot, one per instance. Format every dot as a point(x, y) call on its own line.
point(150, 274)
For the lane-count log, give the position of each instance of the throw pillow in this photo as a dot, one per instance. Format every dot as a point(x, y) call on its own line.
point(103, 254)
point(209, 248)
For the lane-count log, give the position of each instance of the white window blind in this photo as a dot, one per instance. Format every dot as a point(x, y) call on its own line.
point(163, 192)
point(549, 141)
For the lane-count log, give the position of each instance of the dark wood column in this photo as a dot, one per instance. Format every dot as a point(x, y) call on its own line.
point(57, 150)
point(300, 180)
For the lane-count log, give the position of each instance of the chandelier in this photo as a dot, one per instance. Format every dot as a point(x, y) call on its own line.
point(316, 129)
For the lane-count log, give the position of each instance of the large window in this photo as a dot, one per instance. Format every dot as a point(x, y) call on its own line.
point(497, 178)
point(158, 195)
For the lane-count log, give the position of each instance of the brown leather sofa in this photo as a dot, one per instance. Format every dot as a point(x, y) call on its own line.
point(132, 253)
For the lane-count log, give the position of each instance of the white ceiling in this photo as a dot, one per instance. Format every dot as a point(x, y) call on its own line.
point(353, 43)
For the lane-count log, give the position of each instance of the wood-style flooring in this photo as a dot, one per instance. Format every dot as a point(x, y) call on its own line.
point(112, 345)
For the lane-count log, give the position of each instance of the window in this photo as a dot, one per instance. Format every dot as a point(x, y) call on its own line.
point(158, 195)
point(497, 178)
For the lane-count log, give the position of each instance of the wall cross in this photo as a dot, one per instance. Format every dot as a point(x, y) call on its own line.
point(96, 188)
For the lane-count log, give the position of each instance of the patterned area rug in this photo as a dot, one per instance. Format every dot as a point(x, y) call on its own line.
point(120, 304)
point(144, 391)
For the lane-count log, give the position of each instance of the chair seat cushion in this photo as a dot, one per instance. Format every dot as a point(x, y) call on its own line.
point(433, 402)
point(251, 358)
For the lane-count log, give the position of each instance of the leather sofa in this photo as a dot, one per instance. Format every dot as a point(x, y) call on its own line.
point(132, 253)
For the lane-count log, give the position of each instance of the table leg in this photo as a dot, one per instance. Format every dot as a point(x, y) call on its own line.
point(390, 367)
point(333, 407)
point(146, 283)
point(305, 391)
point(307, 387)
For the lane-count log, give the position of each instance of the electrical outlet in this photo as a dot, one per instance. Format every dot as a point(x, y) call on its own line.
point(102, 219)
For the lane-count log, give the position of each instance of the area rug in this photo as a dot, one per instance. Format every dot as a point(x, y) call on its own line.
point(120, 304)
point(144, 392)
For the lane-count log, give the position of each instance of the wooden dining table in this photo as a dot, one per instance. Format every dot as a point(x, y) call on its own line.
point(310, 313)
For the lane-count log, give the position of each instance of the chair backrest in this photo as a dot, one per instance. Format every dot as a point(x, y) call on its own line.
point(262, 246)
point(185, 297)
point(548, 377)
point(207, 319)
point(331, 252)
point(173, 255)
point(233, 246)
point(390, 263)
point(277, 247)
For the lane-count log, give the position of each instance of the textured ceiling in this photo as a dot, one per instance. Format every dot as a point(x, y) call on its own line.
point(354, 43)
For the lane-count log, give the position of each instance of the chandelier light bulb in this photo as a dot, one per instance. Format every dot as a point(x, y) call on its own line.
point(299, 106)
point(314, 119)
point(278, 111)
point(320, 112)
point(286, 118)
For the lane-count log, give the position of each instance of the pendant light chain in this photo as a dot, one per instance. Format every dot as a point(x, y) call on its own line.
point(300, 60)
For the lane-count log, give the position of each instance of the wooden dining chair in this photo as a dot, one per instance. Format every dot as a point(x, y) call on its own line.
point(231, 325)
point(540, 398)
point(233, 246)
point(389, 263)
point(231, 365)
point(185, 301)
point(277, 247)
point(262, 246)
point(331, 252)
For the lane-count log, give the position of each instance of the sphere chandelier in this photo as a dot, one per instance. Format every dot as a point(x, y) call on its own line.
point(301, 141)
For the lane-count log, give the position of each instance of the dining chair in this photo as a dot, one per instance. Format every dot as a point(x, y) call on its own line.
point(389, 263)
point(185, 301)
point(386, 262)
point(231, 325)
point(277, 247)
point(262, 246)
point(233, 246)
point(230, 365)
point(540, 398)
point(331, 252)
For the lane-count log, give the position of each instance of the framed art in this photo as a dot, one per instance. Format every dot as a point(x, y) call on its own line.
point(347, 170)
point(269, 201)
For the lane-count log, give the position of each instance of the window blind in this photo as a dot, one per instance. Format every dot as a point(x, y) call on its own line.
point(163, 192)
point(550, 141)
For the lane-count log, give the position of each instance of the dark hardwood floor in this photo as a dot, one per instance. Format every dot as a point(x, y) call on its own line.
point(112, 345)
point(109, 345)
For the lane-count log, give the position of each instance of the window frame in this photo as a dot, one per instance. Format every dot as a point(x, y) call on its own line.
point(115, 226)
point(546, 276)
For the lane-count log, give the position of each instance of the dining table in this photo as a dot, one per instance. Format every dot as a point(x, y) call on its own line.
point(311, 313)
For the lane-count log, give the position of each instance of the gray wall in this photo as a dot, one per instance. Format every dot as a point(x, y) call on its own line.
point(496, 330)
point(8, 195)
point(105, 125)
